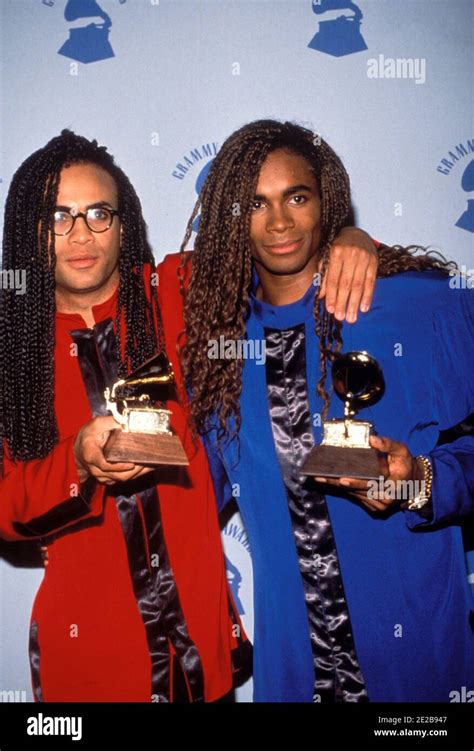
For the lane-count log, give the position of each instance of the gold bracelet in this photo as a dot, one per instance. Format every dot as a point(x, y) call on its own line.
point(424, 496)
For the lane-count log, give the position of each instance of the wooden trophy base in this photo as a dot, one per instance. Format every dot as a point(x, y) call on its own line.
point(145, 448)
point(341, 461)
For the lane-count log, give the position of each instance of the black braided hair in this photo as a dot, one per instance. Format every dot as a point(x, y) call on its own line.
point(28, 424)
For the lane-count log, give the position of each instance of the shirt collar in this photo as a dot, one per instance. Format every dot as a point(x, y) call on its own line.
point(103, 310)
point(281, 316)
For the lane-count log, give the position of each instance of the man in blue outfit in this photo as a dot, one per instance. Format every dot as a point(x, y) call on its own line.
point(356, 597)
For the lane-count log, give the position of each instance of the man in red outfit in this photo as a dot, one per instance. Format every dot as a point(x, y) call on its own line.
point(134, 604)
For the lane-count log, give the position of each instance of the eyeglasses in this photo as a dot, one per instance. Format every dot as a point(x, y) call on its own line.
point(98, 219)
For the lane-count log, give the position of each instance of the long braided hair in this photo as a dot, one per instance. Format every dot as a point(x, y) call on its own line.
point(27, 321)
point(216, 302)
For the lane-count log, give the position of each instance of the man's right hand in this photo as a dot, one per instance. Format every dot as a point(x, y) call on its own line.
point(90, 459)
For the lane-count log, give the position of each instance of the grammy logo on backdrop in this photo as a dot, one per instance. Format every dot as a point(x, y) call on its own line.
point(339, 34)
point(89, 43)
point(466, 220)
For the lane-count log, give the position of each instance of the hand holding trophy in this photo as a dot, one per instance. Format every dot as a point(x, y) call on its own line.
point(145, 436)
point(345, 450)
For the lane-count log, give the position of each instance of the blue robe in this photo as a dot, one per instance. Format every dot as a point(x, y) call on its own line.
point(404, 577)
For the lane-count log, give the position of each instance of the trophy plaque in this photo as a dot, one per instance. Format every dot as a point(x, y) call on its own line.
point(145, 436)
point(345, 450)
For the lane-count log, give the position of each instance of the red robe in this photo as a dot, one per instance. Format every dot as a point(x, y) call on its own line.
point(98, 632)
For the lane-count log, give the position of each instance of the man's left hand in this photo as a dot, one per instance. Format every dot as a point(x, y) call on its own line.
point(349, 282)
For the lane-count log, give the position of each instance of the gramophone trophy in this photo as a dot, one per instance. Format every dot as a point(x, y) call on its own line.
point(145, 436)
point(345, 450)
